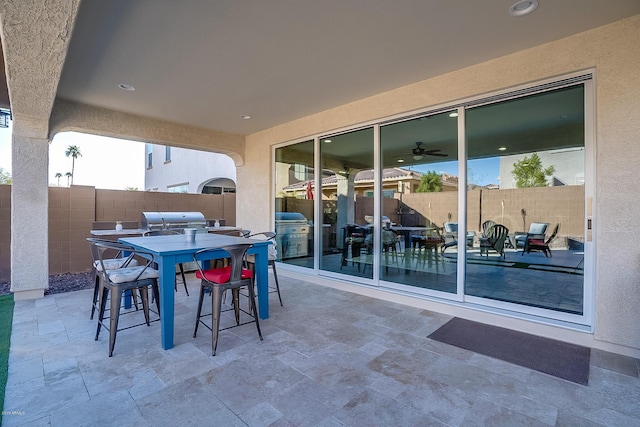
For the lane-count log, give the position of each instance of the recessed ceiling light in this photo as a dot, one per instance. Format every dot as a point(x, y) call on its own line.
point(523, 7)
point(454, 114)
point(502, 148)
point(400, 160)
point(126, 87)
point(328, 141)
point(245, 117)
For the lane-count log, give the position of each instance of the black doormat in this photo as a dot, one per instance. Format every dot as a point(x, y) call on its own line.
point(561, 359)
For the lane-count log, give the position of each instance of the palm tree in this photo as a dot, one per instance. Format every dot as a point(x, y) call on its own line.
point(73, 151)
point(58, 175)
point(5, 177)
point(69, 175)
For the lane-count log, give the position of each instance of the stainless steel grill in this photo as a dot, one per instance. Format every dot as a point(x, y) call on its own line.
point(292, 235)
point(173, 221)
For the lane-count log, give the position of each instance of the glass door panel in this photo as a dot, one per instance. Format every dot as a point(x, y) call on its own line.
point(525, 202)
point(418, 233)
point(347, 202)
point(294, 204)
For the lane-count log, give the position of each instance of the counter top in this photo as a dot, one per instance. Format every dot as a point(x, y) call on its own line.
point(123, 232)
point(141, 231)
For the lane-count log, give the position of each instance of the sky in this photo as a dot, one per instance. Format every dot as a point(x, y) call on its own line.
point(479, 172)
point(115, 164)
point(106, 163)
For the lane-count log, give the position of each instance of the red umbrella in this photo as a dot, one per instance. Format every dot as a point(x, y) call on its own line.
point(309, 192)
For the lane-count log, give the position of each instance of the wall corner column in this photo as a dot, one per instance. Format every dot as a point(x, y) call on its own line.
point(29, 217)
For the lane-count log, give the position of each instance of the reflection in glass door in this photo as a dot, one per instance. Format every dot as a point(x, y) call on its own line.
point(420, 202)
point(294, 204)
point(527, 159)
point(347, 203)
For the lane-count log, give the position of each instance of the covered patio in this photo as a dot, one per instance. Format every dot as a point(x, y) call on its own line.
point(247, 79)
point(329, 358)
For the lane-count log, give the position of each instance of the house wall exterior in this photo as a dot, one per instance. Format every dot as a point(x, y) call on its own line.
point(191, 167)
point(611, 52)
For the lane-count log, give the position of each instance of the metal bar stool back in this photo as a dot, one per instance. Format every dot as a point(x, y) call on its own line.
point(180, 266)
point(217, 280)
point(118, 281)
point(273, 256)
point(116, 260)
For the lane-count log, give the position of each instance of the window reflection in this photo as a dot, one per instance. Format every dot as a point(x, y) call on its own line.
point(420, 164)
point(528, 157)
point(294, 204)
point(347, 189)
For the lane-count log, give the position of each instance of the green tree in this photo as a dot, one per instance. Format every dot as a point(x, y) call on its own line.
point(130, 188)
point(69, 175)
point(58, 175)
point(5, 177)
point(529, 172)
point(431, 182)
point(73, 151)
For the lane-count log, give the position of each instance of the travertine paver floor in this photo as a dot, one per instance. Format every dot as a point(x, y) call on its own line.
point(329, 358)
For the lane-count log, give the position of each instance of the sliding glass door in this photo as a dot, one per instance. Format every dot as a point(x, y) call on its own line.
point(294, 225)
point(419, 182)
point(347, 205)
point(487, 207)
point(526, 200)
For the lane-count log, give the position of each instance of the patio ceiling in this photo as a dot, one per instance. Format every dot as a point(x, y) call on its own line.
point(209, 63)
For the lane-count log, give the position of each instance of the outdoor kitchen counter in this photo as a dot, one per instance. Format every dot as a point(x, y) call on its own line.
point(223, 229)
point(123, 232)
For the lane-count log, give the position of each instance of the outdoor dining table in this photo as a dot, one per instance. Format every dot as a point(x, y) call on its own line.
point(171, 250)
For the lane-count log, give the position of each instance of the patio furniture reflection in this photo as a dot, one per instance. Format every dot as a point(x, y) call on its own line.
point(426, 245)
point(494, 239)
point(354, 243)
point(450, 236)
point(535, 243)
point(537, 230)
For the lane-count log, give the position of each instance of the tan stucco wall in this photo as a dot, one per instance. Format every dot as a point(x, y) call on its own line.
point(613, 52)
point(71, 116)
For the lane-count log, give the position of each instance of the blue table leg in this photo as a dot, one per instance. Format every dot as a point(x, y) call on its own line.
point(262, 280)
point(167, 269)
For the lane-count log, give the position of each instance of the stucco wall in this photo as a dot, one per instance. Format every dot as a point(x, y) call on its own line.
point(612, 51)
point(190, 167)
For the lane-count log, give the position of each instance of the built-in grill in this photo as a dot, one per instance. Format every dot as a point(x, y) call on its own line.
point(292, 235)
point(173, 221)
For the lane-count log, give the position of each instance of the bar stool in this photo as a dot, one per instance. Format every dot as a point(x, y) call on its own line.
point(117, 282)
point(180, 266)
point(110, 264)
point(273, 256)
point(218, 280)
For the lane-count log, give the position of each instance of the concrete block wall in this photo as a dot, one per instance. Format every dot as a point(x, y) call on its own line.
point(564, 205)
point(73, 211)
point(432, 208)
point(115, 205)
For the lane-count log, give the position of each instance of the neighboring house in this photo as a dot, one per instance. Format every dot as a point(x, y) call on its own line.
point(394, 181)
point(178, 170)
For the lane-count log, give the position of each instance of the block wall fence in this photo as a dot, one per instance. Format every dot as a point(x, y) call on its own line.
point(73, 211)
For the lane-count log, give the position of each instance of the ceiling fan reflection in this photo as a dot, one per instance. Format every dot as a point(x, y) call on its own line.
point(419, 152)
